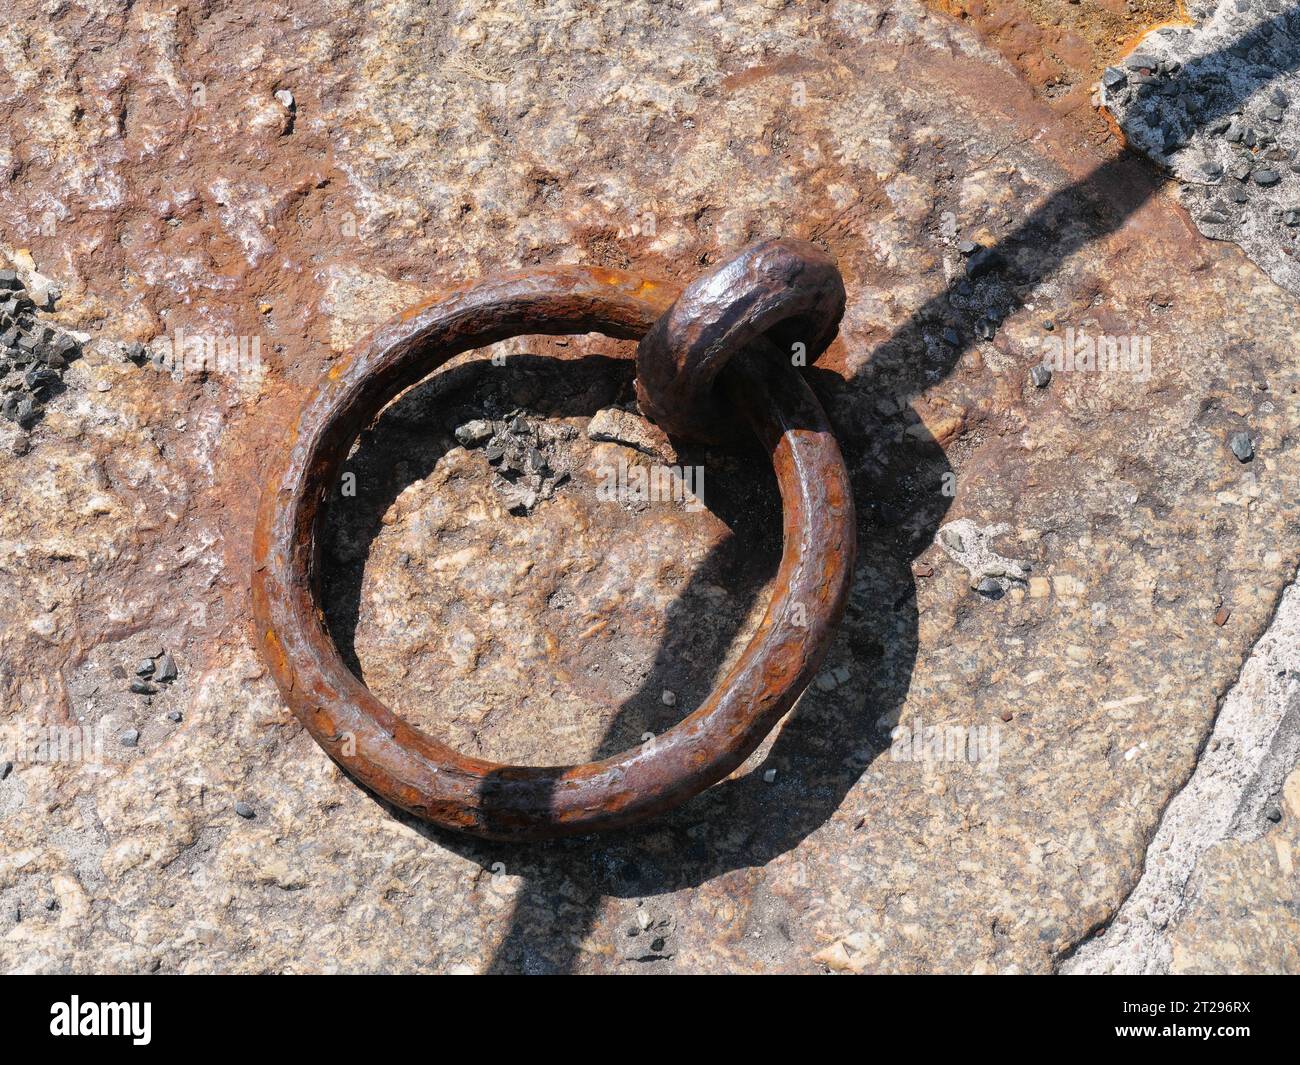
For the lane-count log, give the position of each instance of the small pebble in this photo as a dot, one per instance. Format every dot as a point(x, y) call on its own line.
point(103, 386)
point(244, 810)
point(669, 698)
point(22, 443)
point(174, 716)
point(951, 538)
point(769, 775)
point(1242, 446)
point(5, 769)
point(990, 588)
point(130, 737)
point(966, 247)
point(923, 569)
point(1007, 715)
point(1221, 616)
point(1040, 376)
point(51, 904)
point(144, 668)
point(1265, 178)
point(1141, 61)
point(473, 433)
point(166, 668)
point(140, 687)
point(1274, 814)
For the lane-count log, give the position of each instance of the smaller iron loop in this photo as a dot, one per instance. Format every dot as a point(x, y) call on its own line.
point(787, 291)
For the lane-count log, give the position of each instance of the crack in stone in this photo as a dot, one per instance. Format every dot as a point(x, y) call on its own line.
point(1252, 746)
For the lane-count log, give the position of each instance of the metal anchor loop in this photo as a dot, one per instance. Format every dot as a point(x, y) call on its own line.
point(412, 769)
point(786, 291)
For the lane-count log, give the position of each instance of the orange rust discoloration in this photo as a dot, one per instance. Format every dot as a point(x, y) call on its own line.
point(1182, 17)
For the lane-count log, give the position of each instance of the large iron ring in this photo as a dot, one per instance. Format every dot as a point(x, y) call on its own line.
point(416, 772)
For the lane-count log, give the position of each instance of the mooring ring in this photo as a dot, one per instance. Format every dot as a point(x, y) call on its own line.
point(417, 773)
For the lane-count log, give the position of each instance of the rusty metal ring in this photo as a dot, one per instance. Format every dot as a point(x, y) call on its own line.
point(419, 774)
point(784, 291)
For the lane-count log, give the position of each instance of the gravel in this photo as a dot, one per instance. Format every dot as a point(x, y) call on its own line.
point(1242, 446)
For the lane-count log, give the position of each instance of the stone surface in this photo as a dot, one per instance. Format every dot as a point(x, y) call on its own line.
point(1214, 896)
point(1227, 107)
point(1243, 903)
point(959, 795)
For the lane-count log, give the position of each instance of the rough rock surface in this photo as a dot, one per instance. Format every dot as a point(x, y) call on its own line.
point(1208, 891)
point(1218, 102)
point(168, 189)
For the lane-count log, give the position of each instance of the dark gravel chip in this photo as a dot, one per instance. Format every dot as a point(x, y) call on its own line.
point(244, 810)
point(1242, 446)
point(140, 687)
point(166, 669)
point(989, 588)
point(5, 769)
point(40, 378)
point(129, 738)
point(1040, 376)
point(1141, 61)
point(1266, 178)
